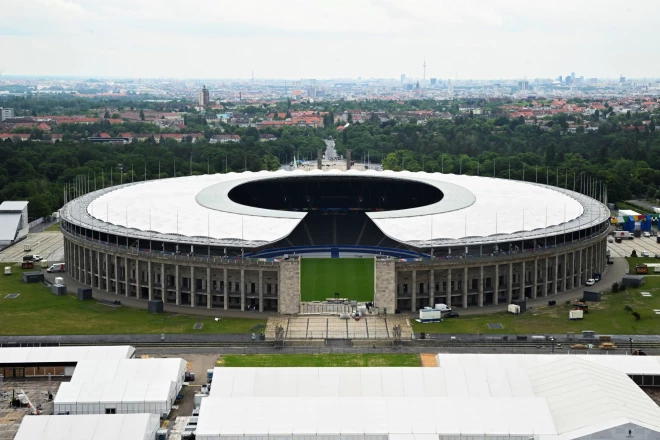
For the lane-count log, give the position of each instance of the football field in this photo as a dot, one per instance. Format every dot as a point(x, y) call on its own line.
point(352, 278)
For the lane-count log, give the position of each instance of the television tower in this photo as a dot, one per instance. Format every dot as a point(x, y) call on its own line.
point(424, 69)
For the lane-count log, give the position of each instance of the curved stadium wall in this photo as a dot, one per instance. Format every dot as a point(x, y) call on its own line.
point(185, 241)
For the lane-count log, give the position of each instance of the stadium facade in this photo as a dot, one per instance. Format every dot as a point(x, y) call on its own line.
point(235, 241)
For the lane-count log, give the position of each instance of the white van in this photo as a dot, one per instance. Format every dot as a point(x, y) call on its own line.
point(57, 267)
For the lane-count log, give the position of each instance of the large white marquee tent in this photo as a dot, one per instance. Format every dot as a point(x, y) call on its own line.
point(89, 427)
point(568, 398)
point(122, 387)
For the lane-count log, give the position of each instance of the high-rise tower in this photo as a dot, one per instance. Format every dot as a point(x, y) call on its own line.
point(204, 97)
point(424, 69)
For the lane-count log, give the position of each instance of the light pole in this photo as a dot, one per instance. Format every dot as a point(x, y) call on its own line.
point(552, 344)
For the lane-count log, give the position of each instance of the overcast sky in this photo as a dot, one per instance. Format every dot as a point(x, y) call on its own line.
point(468, 39)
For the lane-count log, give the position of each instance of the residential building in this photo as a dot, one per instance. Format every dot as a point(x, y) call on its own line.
point(6, 113)
point(224, 138)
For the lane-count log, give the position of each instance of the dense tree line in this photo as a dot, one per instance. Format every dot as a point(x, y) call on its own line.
point(624, 152)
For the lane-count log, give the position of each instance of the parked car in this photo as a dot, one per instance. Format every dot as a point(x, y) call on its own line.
point(590, 282)
point(610, 240)
point(646, 234)
point(645, 254)
point(32, 258)
point(618, 240)
point(451, 315)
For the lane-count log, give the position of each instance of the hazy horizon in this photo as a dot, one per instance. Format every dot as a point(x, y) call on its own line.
point(294, 39)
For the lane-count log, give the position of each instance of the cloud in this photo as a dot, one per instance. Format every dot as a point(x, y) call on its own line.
point(329, 38)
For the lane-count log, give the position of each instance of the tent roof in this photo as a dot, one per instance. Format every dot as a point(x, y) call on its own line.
point(24, 355)
point(630, 365)
point(550, 397)
point(10, 206)
point(88, 427)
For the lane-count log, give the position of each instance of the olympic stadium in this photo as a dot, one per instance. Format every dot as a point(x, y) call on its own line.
point(280, 241)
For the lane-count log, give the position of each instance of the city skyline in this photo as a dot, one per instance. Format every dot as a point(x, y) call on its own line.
point(471, 40)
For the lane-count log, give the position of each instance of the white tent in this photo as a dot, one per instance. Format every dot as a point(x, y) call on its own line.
point(568, 398)
point(122, 387)
point(89, 427)
point(55, 355)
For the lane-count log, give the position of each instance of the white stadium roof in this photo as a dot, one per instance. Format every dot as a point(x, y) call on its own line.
point(199, 209)
point(567, 398)
point(89, 427)
point(36, 355)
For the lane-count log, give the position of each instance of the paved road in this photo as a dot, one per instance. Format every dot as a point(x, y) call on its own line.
point(43, 226)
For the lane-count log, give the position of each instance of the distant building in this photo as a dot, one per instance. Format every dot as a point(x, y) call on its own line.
point(403, 78)
point(434, 81)
point(13, 222)
point(204, 97)
point(224, 138)
point(6, 113)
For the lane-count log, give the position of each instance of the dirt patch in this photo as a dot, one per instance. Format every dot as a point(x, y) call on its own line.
point(428, 360)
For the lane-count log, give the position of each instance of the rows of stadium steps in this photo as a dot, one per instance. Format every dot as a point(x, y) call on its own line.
point(332, 327)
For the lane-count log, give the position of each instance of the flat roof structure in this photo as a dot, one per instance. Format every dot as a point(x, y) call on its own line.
point(9, 225)
point(568, 398)
point(121, 387)
point(13, 206)
point(10, 356)
point(89, 427)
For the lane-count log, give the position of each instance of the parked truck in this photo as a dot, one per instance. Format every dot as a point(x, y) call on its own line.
point(430, 315)
point(57, 267)
point(624, 235)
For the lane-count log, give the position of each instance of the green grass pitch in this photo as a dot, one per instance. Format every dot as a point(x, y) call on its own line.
point(352, 278)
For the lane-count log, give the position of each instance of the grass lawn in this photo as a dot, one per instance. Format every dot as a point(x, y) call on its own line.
point(606, 317)
point(321, 360)
point(352, 278)
point(55, 227)
point(36, 311)
point(634, 261)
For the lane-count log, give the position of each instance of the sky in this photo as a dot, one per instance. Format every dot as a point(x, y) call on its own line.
point(294, 39)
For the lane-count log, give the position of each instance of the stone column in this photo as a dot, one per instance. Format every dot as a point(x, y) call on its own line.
point(107, 273)
point(565, 274)
point(150, 282)
point(523, 281)
point(226, 289)
point(138, 279)
point(98, 270)
point(465, 287)
point(496, 285)
point(127, 275)
point(413, 300)
point(509, 292)
point(554, 285)
point(546, 267)
point(80, 265)
point(209, 298)
point(163, 282)
point(448, 292)
point(177, 285)
point(431, 288)
point(480, 284)
point(193, 287)
point(580, 280)
point(261, 290)
point(535, 278)
point(116, 261)
point(242, 290)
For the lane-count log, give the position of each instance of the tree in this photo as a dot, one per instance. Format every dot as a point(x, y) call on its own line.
point(636, 315)
point(627, 308)
point(106, 115)
point(615, 287)
point(141, 115)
